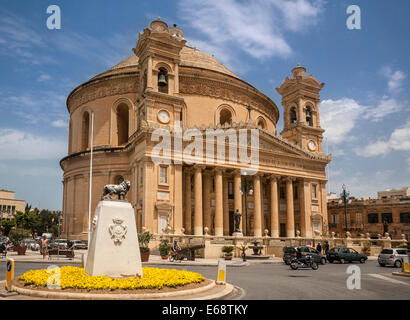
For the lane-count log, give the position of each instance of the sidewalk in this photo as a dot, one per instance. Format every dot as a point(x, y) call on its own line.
point(36, 257)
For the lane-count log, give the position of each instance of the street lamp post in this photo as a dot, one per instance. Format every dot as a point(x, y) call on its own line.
point(246, 189)
point(345, 196)
point(91, 174)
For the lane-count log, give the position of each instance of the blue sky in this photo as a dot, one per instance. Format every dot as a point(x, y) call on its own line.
point(365, 106)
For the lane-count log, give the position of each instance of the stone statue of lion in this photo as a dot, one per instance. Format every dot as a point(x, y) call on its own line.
point(118, 189)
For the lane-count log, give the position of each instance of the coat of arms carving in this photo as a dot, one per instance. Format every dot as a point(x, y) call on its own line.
point(117, 230)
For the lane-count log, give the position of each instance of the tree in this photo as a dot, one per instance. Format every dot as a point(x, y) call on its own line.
point(7, 225)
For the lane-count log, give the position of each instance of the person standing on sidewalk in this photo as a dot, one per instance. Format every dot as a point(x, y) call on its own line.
point(319, 247)
point(44, 246)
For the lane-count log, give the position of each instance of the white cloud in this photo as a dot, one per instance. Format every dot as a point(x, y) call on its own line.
point(398, 141)
point(40, 106)
point(395, 79)
point(44, 77)
point(339, 117)
point(19, 145)
point(59, 123)
point(385, 107)
point(230, 26)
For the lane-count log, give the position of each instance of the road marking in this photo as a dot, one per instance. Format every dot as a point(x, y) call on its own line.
point(379, 276)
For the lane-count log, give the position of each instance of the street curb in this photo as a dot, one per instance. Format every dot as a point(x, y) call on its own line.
point(143, 296)
point(210, 264)
point(401, 274)
point(217, 296)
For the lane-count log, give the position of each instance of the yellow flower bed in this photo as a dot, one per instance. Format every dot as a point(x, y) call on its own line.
point(75, 277)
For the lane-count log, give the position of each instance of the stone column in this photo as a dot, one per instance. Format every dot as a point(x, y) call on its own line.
point(225, 207)
point(207, 199)
point(257, 212)
point(178, 191)
point(218, 202)
point(188, 204)
point(301, 119)
point(198, 228)
point(290, 215)
point(238, 196)
point(274, 206)
point(149, 73)
point(305, 209)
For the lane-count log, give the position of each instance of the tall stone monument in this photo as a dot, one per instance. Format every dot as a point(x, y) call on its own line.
point(113, 250)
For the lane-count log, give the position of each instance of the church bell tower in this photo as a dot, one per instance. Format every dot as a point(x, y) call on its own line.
point(158, 50)
point(300, 101)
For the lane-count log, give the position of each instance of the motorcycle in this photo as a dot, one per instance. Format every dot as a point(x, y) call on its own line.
point(296, 263)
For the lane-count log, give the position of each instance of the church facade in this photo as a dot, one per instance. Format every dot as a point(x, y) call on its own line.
point(169, 92)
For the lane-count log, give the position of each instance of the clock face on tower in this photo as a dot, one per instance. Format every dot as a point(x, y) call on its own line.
point(312, 145)
point(163, 116)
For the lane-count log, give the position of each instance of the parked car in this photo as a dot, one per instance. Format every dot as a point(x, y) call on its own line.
point(392, 257)
point(343, 255)
point(31, 244)
point(79, 244)
point(289, 254)
point(61, 243)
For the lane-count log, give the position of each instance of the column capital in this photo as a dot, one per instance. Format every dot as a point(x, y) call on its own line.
point(198, 167)
point(289, 179)
point(274, 177)
point(219, 169)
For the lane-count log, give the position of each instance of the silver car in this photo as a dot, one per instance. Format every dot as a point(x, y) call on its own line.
point(392, 257)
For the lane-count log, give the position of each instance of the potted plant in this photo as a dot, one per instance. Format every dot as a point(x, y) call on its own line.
point(164, 248)
point(243, 249)
point(228, 252)
point(143, 240)
point(366, 248)
point(17, 236)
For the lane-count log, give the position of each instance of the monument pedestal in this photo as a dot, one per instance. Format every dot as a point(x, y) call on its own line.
point(237, 234)
point(113, 250)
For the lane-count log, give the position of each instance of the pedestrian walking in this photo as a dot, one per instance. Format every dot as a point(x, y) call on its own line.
point(319, 248)
point(326, 247)
point(44, 246)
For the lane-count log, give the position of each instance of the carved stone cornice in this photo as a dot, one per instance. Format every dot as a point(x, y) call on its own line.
point(92, 90)
point(228, 91)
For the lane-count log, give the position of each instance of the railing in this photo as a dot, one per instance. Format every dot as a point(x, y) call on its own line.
point(383, 242)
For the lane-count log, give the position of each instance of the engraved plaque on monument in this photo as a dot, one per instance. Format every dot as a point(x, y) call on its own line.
point(113, 249)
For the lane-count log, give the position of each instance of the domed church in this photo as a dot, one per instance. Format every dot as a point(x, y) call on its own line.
point(167, 87)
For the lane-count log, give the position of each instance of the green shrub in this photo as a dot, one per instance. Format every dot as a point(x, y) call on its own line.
point(18, 235)
point(228, 250)
point(366, 246)
point(164, 247)
point(143, 239)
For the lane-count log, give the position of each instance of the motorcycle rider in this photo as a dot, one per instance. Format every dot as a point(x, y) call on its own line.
point(300, 257)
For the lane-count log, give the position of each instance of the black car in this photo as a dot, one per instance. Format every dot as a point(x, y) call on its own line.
point(289, 254)
point(343, 255)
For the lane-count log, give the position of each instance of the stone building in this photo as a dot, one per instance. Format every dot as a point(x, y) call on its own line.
point(373, 216)
point(9, 205)
point(168, 87)
point(392, 193)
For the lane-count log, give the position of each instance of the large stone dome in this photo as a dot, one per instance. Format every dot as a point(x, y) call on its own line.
point(190, 57)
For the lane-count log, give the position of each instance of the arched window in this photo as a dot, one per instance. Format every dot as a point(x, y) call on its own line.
point(293, 115)
point(225, 116)
point(163, 80)
point(85, 132)
point(122, 124)
point(70, 137)
point(261, 123)
point(309, 118)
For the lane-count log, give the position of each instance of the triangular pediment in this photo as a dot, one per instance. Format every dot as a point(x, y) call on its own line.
point(279, 145)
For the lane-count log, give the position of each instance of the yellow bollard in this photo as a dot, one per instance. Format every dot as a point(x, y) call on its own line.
point(405, 265)
point(221, 276)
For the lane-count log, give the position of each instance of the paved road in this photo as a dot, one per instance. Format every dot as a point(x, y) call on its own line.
point(278, 281)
